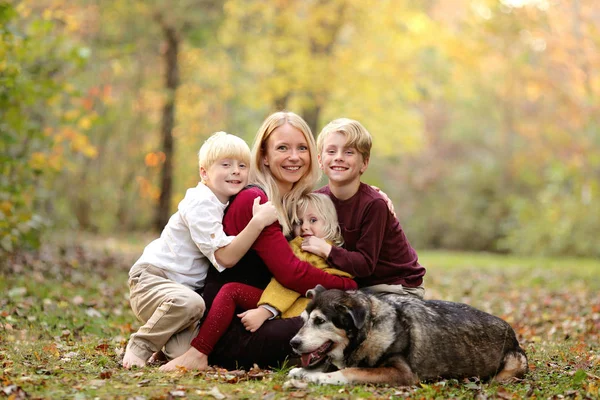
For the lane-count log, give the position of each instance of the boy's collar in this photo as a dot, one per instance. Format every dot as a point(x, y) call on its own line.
point(345, 192)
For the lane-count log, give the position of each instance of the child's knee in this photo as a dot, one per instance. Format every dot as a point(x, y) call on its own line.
point(194, 306)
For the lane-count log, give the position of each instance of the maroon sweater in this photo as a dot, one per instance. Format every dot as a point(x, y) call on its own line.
point(274, 251)
point(375, 247)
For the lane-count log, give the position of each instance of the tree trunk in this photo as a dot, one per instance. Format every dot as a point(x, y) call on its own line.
point(168, 121)
point(322, 49)
point(311, 115)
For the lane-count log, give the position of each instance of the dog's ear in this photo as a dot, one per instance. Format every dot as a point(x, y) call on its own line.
point(311, 293)
point(358, 314)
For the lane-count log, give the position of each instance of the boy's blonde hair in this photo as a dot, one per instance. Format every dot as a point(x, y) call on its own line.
point(262, 176)
point(356, 135)
point(222, 145)
point(326, 210)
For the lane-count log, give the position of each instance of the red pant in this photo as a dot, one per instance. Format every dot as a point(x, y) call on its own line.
point(231, 296)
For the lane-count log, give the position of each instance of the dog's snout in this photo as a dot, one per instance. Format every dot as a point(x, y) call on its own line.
point(295, 342)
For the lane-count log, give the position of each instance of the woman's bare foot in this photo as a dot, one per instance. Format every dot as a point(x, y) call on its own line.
point(131, 360)
point(190, 360)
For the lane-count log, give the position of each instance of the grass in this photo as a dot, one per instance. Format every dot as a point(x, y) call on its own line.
point(65, 319)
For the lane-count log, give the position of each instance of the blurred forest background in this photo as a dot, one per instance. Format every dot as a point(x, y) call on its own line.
point(485, 113)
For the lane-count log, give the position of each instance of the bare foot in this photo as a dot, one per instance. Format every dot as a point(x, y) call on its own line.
point(190, 360)
point(131, 360)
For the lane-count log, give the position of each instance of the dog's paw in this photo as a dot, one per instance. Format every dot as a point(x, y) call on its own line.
point(297, 373)
point(326, 378)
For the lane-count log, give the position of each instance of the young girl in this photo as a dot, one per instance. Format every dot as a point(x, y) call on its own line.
point(314, 216)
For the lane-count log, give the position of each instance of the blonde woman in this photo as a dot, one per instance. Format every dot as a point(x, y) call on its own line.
point(316, 216)
point(283, 167)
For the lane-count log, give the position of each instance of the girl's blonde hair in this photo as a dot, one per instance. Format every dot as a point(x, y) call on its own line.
point(326, 210)
point(357, 136)
point(222, 145)
point(262, 176)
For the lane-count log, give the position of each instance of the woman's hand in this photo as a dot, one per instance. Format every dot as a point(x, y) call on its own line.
point(253, 319)
point(317, 246)
point(265, 213)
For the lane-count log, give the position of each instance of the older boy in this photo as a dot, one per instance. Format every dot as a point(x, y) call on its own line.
point(164, 281)
point(376, 250)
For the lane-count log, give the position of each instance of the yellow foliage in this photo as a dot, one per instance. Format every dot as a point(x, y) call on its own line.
point(55, 162)
point(23, 10)
point(71, 22)
point(85, 123)
point(48, 14)
point(90, 151)
point(53, 100)
point(81, 144)
point(71, 114)
point(37, 160)
point(6, 207)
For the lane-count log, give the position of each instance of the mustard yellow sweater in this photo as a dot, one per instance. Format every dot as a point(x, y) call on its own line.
point(287, 302)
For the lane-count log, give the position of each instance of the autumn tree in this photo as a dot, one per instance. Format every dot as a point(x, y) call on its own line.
point(38, 123)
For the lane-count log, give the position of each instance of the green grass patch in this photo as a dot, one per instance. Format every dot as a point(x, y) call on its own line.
point(65, 320)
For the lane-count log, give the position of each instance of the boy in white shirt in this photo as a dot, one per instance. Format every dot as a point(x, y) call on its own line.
point(164, 281)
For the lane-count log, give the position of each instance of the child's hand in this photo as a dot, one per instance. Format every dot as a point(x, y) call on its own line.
point(253, 319)
point(387, 199)
point(266, 213)
point(317, 246)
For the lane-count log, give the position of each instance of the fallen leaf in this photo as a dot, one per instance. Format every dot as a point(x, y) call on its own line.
point(18, 291)
point(503, 393)
point(103, 347)
point(97, 382)
point(14, 392)
point(105, 374)
point(92, 312)
point(216, 393)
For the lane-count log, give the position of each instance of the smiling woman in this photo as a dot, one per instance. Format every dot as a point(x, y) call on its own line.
point(287, 156)
point(284, 166)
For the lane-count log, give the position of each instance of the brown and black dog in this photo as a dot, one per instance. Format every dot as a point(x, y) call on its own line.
point(401, 340)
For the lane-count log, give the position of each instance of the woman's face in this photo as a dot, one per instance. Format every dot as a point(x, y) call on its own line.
point(287, 155)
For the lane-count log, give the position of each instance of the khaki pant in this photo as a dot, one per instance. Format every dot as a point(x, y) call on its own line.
point(418, 291)
point(170, 312)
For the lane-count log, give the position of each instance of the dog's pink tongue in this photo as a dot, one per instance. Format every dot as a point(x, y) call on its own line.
point(305, 359)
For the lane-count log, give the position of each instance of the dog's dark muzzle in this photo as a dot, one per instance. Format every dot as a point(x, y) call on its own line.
point(296, 342)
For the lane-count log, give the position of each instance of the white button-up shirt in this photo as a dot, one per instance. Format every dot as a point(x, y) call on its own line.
point(186, 247)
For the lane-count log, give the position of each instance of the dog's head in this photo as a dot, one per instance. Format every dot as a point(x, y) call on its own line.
point(333, 322)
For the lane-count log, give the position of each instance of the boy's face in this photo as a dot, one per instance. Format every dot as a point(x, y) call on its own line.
point(225, 177)
point(342, 164)
point(310, 224)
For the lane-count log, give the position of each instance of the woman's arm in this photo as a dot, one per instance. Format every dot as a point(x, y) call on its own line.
point(272, 247)
point(262, 215)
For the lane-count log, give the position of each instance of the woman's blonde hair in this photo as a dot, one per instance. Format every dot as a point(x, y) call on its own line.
point(357, 136)
point(262, 176)
point(326, 210)
point(222, 145)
